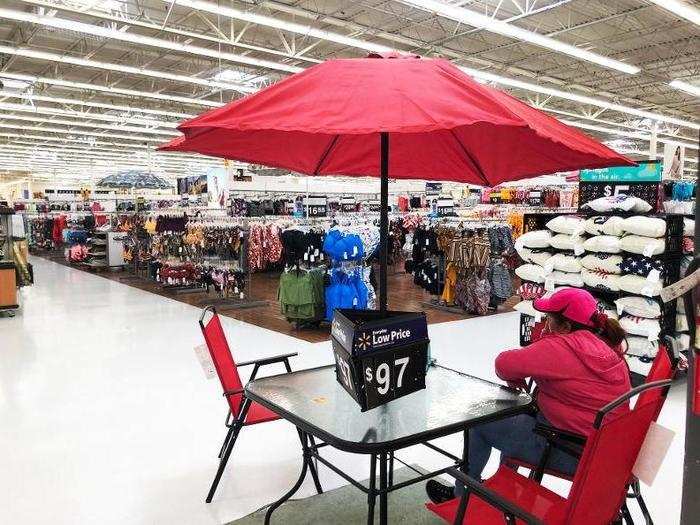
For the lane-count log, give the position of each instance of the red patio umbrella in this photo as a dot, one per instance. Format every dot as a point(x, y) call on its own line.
point(410, 118)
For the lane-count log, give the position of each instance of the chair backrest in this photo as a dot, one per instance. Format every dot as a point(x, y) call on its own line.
point(605, 468)
point(221, 356)
point(663, 367)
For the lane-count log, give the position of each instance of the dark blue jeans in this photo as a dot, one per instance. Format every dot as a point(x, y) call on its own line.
point(514, 438)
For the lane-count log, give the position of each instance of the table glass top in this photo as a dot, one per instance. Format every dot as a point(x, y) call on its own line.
point(314, 398)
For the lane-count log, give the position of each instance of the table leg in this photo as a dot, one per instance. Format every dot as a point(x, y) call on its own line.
point(391, 469)
point(305, 464)
point(313, 468)
point(383, 496)
point(465, 452)
point(372, 494)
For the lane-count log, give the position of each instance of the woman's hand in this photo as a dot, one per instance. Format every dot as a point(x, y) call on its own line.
point(518, 385)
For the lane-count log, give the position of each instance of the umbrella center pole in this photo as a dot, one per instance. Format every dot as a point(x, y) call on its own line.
point(384, 220)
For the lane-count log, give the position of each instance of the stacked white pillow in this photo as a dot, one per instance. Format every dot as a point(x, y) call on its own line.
point(604, 225)
point(639, 307)
point(603, 243)
point(647, 246)
point(534, 239)
point(602, 262)
point(644, 226)
point(601, 280)
point(530, 272)
point(563, 279)
point(544, 266)
point(534, 255)
point(639, 316)
point(637, 366)
point(641, 326)
point(619, 203)
point(565, 241)
point(640, 285)
point(564, 263)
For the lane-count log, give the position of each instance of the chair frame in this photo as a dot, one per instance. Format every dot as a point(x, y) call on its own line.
point(235, 423)
point(573, 444)
point(512, 511)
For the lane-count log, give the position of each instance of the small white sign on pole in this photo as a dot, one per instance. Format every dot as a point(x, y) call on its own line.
point(204, 358)
point(653, 452)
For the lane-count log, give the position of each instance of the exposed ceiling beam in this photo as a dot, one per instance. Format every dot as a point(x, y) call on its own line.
point(474, 19)
point(137, 22)
point(132, 38)
point(283, 25)
point(120, 68)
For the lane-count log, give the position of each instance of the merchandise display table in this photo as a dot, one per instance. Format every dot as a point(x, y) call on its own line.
point(318, 406)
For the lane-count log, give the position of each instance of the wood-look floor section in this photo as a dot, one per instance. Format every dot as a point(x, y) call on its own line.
point(403, 295)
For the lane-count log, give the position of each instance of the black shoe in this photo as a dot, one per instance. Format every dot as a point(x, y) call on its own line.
point(439, 493)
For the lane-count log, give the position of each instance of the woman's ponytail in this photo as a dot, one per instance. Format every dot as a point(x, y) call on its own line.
point(613, 334)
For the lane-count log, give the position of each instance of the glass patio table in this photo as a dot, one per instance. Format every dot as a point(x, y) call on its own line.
point(320, 408)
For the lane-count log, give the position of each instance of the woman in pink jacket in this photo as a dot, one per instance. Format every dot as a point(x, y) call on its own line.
point(578, 366)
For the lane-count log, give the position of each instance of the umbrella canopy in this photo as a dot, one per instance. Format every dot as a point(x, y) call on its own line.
point(444, 125)
point(134, 179)
point(403, 117)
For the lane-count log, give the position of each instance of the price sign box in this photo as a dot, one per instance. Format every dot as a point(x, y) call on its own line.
point(379, 359)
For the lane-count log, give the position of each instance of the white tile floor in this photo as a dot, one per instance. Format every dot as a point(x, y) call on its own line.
point(106, 416)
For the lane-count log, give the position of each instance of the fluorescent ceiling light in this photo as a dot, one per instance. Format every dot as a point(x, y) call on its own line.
point(89, 29)
point(231, 75)
point(10, 116)
point(101, 5)
point(684, 86)
point(23, 150)
point(7, 106)
point(98, 152)
point(681, 9)
point(130, 22)
point(474, 19)
point(282, 25)
point(661, 134)
point(67, 142)
point(583, 99)
point(48, 129)
point(6, 82)
point(108, 66)
point(88, 103)
point(477, 74)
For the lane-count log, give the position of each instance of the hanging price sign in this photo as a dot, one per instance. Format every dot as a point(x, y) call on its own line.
point(445, 207)
point(317, 205)
point(374, 206)
point(348, 204)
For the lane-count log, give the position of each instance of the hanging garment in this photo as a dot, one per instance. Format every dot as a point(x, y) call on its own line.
point(448, 291)
point(345, 291)
point(301, 295)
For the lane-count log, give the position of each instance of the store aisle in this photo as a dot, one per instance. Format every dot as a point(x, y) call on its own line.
point(107, 417)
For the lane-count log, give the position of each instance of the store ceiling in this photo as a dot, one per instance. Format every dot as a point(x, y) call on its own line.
point(92, 86)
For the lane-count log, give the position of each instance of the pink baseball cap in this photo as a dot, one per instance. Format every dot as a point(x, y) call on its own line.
point(573, 303)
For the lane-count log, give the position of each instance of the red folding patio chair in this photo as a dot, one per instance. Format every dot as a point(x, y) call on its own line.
point(599, 487)
point(662, 368)
point(242, 412)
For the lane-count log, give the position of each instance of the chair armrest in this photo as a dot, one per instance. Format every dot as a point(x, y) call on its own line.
point(548, 430)
point(569, 442)
point(494, 498)
point(228, 393)
point(267, 360)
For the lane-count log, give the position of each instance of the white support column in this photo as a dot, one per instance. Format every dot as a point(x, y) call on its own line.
point(653, 141)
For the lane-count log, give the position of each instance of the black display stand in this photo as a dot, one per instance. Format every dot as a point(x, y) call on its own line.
point(379, 357)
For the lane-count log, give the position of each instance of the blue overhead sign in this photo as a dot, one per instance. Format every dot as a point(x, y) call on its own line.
point(645, 171)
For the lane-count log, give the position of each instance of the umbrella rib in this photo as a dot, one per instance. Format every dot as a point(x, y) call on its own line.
point(471, 159)
point(325, 154)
